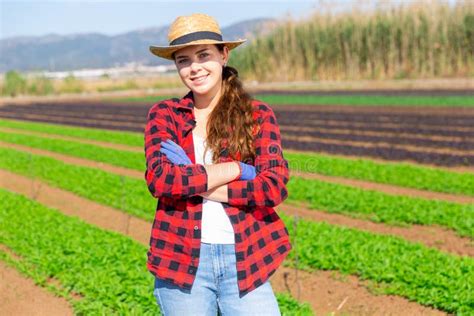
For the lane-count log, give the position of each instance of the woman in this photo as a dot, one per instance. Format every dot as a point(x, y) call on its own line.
point(215, 162)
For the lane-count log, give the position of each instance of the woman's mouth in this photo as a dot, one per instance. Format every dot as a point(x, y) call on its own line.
point(199, 79)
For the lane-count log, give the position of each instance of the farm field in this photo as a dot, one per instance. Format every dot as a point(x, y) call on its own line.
point(438, 136)
point(380, 207)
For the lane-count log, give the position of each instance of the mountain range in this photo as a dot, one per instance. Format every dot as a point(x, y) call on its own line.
point(94, 50)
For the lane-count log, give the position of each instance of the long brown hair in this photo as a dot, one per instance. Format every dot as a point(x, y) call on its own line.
point(231, 120)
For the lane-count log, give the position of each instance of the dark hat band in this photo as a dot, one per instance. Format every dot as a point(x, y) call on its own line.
point(197, 36)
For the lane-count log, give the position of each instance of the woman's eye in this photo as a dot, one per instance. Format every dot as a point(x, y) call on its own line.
point(181, 61)
point(202, 55)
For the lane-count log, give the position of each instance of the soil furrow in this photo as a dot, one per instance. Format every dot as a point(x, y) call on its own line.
point(19, 296)
point(342, 131)
point(288, 120)
point(377, 144)
point(386, 152)
point(394, 140)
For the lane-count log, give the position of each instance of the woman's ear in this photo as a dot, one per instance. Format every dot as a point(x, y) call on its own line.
point(225, 55)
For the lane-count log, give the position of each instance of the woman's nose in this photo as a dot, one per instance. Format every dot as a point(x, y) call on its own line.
point(195, 65)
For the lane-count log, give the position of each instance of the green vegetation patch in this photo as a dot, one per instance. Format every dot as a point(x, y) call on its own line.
point(125, 138)
point(372, 100)
point(125, 159)
point(391, 264)
point(401, 174)
point(124, 193)
point(381, 207)
point(352, 100)
point(110, 275)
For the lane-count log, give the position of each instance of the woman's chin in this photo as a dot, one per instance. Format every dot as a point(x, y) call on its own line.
point(202, 90)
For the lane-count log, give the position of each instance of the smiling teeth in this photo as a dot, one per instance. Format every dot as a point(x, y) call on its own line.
point(200, 78)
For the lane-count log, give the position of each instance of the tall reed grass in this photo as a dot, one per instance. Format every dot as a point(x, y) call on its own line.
point(423, 39)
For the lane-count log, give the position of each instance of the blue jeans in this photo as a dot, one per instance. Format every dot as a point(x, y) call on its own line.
point(215, 287)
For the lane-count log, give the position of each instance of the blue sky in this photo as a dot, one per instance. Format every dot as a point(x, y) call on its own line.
point(37, 17)
point(114, 17)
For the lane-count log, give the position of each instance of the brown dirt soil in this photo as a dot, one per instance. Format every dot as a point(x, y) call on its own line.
point(318, 287)
point(363, 125)
point(329, 293)
point(432, 236)
point(284, 128)
point(65, 120)
point(131, 121)
point(21, 296)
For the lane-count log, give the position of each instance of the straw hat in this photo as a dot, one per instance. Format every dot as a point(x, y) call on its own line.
point(192, 30)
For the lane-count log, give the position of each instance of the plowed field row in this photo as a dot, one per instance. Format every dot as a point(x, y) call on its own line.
point(440, 136)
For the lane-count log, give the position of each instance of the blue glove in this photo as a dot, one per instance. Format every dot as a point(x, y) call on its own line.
point(174, 153)
point(248, 171)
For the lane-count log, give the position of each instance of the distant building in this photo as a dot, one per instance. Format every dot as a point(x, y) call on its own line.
point(128, 70)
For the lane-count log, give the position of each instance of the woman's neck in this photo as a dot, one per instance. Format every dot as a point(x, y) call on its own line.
point(207, 101)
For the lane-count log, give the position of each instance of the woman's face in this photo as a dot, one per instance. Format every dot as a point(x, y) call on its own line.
point(200, 67)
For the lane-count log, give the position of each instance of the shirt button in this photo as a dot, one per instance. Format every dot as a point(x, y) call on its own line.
point(196, 227)
point(191, 270)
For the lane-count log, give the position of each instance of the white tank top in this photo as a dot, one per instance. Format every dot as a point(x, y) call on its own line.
point(216, 225)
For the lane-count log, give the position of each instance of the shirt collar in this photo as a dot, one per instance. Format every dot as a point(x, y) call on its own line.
point(186, 102)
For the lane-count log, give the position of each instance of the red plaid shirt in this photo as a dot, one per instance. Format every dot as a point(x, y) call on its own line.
point(261, 238)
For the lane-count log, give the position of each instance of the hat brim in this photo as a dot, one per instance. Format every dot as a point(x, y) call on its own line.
point(167, 51)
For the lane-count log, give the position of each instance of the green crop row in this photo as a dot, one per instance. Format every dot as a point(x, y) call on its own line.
point(115, 137)
point(351, 100)
point(401, 174)
point(391, 265)
point(110, 275)
point(132, 195)
point(125, 159)
point(369, 100)
point(128, 194)
point(381, 207)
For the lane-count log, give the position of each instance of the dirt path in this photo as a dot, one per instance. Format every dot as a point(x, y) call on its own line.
point(432, 236)
point(329, 293)
point(20, 296)
point(321, 290)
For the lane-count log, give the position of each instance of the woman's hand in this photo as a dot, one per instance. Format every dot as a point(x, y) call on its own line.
point(174, 152)
point(248, 171)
